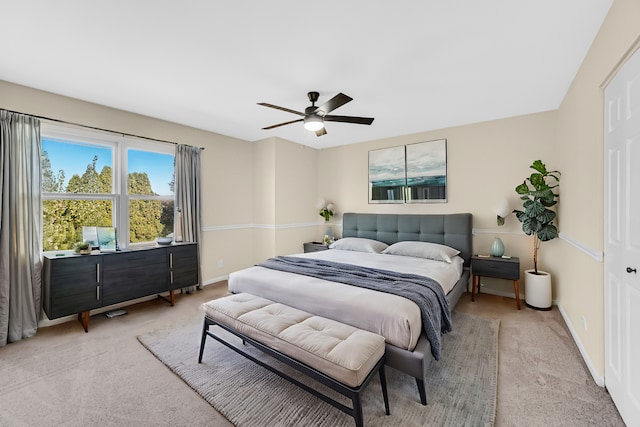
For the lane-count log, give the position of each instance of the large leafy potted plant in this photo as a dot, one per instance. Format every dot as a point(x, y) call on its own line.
point(539, 194)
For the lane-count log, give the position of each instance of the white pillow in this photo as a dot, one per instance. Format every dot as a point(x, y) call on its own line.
point(422, 250)
point(359, 244)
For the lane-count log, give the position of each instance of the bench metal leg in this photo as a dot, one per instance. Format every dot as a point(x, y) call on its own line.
point(357, 402)
point(357, 410)
point(205, 328)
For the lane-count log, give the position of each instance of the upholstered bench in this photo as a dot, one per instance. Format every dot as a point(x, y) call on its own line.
point(339, 356)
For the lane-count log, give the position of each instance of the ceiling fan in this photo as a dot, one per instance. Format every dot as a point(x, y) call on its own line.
point(314, 117)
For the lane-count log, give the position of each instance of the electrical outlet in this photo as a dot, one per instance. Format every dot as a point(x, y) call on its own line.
point(584, 323)
point(220, 263)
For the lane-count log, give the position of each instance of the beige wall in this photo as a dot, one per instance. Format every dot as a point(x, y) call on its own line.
point(284, 197)
point(227, 207)
point(264, 188)
point(580, 283)
point(485, 162)
point(296, 186)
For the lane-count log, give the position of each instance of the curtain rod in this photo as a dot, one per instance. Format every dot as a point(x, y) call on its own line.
point(94, 128)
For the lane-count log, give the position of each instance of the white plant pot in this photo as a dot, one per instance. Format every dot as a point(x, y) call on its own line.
point(537, 288)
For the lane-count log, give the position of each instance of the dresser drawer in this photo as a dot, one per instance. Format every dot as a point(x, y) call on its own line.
point(134, 259)
point(71, 284)
point(130, 283)
point(183, 265)
point(496, 267)
point(134, 274)
point(73, 265)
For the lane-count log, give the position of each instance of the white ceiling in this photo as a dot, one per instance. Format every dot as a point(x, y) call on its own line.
point(413, 65)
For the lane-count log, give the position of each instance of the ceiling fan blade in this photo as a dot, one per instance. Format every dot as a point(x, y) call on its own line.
point(349, 119)
point(321, 132)
point(282, 124)
point(337, 101)
point(264, 104)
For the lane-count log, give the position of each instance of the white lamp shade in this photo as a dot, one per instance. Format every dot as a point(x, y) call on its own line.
point(504, 209)
point(313, 123)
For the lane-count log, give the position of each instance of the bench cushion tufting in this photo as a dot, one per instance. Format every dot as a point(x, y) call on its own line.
point(345, 353)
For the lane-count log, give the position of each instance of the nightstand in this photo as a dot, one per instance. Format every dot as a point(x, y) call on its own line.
point(498, 267)
point(314, 247)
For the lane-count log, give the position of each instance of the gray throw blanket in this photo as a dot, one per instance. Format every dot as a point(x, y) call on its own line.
point(424, 291)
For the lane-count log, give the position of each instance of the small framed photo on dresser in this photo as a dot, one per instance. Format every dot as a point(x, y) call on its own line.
point(107, 239)
point(90, 236)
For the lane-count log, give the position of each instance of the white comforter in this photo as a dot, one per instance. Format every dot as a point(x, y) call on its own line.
point(395, 318)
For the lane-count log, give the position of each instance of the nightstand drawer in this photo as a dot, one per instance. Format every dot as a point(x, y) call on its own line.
point(314, 247)
point(496, 267)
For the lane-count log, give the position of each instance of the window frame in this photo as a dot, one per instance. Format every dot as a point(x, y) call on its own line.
point(120, 145)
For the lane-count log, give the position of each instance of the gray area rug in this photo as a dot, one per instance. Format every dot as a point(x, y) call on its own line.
point(461, 388)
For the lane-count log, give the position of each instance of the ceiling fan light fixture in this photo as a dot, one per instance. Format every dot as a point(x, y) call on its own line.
point(313, 123)
point(314, 117)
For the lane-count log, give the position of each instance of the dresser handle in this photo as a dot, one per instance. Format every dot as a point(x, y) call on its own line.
point(98, 292)
point(98, 274)
point(631, 270)
point(171, 261)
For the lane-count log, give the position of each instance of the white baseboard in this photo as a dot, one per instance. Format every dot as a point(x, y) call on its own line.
point(490, 291)
point(599, 380)
point(215, 280)
point(45, 322)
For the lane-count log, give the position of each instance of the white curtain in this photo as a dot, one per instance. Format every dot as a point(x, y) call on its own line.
point(188, 216)
point(20, 227)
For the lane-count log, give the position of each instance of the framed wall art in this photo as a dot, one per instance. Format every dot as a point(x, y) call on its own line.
point(413, 173)
point(387, 175)
point(427, 172)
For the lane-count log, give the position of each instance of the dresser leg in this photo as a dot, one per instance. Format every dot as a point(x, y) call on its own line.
point(517, 290)
point(171, 300)
point(84, 319)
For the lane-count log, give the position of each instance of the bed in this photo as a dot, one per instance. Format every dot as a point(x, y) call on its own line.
point(400, 320)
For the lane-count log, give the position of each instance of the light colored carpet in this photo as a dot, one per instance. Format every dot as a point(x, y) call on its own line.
point(461, 389)
point(64, 377)
point(542, 380)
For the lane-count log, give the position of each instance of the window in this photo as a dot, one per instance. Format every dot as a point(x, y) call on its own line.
point(150, 197)
point(92, 178)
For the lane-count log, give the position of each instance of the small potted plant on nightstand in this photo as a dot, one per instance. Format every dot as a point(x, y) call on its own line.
point(537, 193)
point(327, 212)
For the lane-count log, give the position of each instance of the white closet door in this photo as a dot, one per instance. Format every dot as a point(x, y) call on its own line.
point(622, 240)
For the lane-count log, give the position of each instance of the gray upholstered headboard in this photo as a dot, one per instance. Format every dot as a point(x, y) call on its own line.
point(453, 230)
